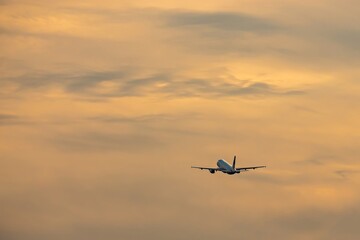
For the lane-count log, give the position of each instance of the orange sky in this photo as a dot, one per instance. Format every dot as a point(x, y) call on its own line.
point(105, 105)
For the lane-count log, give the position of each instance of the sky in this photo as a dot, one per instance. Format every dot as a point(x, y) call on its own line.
point(105, 105)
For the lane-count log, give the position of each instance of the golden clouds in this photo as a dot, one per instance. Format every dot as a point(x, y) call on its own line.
point(106, 105)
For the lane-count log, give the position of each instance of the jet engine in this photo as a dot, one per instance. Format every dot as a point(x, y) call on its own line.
point(212, 171)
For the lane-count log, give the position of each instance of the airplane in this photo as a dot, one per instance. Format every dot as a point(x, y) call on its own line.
point(225, 167)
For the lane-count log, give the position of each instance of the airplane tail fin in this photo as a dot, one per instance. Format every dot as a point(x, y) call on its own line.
point(234, 162)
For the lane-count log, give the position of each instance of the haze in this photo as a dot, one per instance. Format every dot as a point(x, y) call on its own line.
point(105, 105)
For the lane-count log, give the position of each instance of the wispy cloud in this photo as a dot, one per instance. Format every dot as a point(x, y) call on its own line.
point(10, 119)
point(73, 82)
point(100, 141)
point(316, 222)
point(108, 104)
point(138, 119)
point(211, 88)
point(345, 173)
point(125, 84)
point(318, 160)
point(222, 21)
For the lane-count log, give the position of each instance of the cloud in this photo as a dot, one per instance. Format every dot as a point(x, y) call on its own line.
point(226, 33)
point(231, 35)
point(120, 168)
point(123, 83)
point(9, 119)
point(223, 21)
point(81, 82)
point(220, 88)
point(139, 119)
point(325, 224)
point(102, 141)
point(346, 173)
point(4, 2)
point(237, 34)
point(71, 82)
point(318, 160)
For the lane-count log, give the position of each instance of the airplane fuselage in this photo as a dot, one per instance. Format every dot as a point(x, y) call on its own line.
point(225, 167)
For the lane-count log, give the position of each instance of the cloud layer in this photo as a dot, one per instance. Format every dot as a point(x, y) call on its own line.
point(106, 105)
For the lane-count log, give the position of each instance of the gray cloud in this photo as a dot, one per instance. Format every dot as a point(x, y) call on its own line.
point(73, 82)
point(10, 119)
point(130, 85)
point(100, 141)
point(325, 224)
point(318, 160)
point(79, 83)
point(219, 88)
point(5, 31)
point(345, 173)
point(220, 20)
point(4, 2)
point(233, 34)
point(141, 119)
point(168, 128)
point(222, 32)
point(240, 35)
point(225, 33)
point(224, 21)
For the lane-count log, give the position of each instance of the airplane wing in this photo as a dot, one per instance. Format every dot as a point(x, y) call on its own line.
point(206, 168)
point(248, 168)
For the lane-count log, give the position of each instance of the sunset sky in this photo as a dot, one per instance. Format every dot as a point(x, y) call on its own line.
point(105, 105)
